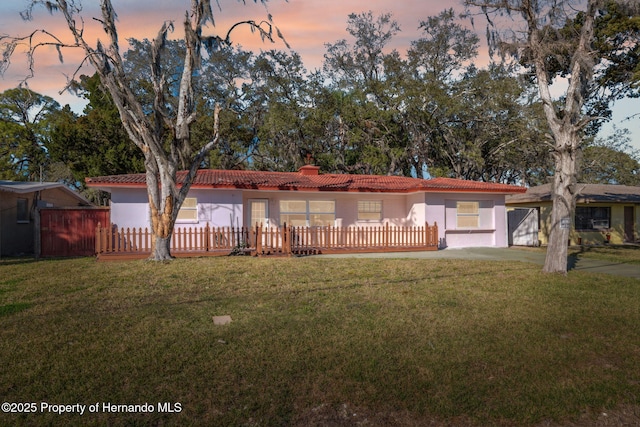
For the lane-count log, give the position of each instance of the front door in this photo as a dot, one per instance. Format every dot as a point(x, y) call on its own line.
point(629, 235)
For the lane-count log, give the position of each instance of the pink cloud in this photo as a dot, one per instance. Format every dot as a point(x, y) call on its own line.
point(306, 25)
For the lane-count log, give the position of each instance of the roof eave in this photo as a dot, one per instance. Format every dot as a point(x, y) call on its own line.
point(108, 186)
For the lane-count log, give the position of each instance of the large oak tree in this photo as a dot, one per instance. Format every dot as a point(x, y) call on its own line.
point(163, 134)
point(555, 38)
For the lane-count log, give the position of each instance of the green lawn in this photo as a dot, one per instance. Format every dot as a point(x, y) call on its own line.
point(629, 254)
point(614, 253)
point(316, 341)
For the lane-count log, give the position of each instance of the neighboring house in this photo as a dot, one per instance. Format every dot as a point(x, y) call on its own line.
point(19, 202)
point(603, 212)
point(468, 213)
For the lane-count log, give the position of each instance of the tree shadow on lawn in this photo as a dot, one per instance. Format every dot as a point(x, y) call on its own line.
point(574, 257)
point(572, 261)
point(17, 260)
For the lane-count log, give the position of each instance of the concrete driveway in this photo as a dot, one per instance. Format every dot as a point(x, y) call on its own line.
point(576, 262)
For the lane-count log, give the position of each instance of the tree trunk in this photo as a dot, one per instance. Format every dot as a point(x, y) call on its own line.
point(161, 249)
point(163, 208)
point(563, 197)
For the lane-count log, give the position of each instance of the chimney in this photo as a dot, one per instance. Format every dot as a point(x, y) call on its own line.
point(309, 170)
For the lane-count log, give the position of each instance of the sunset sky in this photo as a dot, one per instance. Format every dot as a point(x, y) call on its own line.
point(306, 24)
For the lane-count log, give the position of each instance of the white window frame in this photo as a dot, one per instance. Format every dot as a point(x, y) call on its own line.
point(252, 222)
point(189, 211)
point(371, 208)
point(308, 213)
point(467, 214)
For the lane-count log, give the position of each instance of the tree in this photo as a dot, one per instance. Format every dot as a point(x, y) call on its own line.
point(558, 41)
point(163, 133)
point(369, 134)
point(361, 65)
point(24, 124)
point(491, 131)
point(611, 160)
point(459, 120)
point(224, 81)
point(95, 143)
point(280, 110)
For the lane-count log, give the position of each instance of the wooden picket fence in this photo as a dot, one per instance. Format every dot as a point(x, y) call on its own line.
point(364, 239)
point(113, 243)
point(192, 241)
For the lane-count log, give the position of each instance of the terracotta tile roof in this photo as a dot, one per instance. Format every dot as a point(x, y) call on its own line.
point(308, 180)
point(586, 193)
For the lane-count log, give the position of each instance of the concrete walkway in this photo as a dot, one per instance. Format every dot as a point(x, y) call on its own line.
point(576, 262)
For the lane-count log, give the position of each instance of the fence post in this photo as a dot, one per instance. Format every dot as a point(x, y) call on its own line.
point(121, 237)
point(386, 235)
point(207, 233)
point(427, 239)
point(286, 239)
point(258, 238)
point(435, 234)
point(97, 248)
point(116, 239)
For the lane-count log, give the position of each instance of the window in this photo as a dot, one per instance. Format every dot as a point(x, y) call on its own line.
point(468, 215)
point(315, 213)
point(592, 218)
point(369, 210)
point(189, 210)
point(322, 213)
point(259, 212)
point(23, 210)
point(293, 213)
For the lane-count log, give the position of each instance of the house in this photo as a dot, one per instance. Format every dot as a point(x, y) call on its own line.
point(604, 213)
point(19, 204)
point(467, 213)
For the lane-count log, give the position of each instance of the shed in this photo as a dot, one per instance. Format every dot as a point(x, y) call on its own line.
point(19, 212)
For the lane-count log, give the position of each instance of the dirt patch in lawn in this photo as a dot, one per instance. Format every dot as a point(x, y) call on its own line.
point(345, 415)
point(624, 415)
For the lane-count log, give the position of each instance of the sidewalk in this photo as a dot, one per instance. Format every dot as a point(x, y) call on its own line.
point(576, 262)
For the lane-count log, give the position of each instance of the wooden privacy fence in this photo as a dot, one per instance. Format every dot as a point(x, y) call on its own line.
point(261, 240)
point(68, 231)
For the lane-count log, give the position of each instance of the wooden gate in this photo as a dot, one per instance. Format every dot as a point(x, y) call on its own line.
point(70, 231)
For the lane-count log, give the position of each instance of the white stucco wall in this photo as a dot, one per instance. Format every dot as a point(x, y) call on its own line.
point(416, 209)
point(130, 208)
point(220, 208)
point(441, 208)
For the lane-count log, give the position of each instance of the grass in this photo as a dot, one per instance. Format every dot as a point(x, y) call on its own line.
point(614, 253)
point(317, 341)
point(629, 254)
